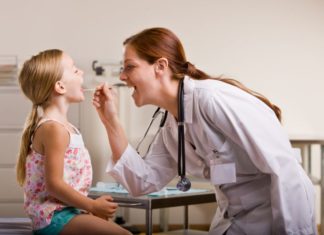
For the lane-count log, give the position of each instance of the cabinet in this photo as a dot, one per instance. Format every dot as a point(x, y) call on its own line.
point(14, 110)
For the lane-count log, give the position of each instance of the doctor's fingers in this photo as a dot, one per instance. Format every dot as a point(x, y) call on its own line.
point(105, 89)
point(100, 97)
point(106, 94)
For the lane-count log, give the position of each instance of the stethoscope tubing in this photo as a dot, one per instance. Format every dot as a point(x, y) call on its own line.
point(184, 183)
point(181, 143)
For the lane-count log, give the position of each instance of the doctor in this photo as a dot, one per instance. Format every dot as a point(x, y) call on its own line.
point(233, 137)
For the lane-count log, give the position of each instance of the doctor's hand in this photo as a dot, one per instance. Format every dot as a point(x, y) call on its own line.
point(104, 207)
point(106, 102)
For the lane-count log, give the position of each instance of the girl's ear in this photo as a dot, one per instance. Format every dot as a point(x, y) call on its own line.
point(161, 65)
point(59, 88)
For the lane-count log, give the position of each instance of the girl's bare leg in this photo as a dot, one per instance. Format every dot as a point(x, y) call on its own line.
point(87, 224)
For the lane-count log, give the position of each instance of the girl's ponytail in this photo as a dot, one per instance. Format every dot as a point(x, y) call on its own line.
point(28, 132)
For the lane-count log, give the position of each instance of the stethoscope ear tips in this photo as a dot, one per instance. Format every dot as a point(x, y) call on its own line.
point(184, 184)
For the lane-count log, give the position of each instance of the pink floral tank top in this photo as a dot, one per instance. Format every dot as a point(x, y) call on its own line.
point(38, 203)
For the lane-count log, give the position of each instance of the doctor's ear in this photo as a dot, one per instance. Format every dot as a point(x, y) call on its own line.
point(161, 64)
point(59, 87)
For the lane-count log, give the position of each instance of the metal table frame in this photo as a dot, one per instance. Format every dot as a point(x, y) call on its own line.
point(157, 202)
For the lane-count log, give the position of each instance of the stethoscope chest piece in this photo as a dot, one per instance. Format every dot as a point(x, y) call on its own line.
point(184, 184)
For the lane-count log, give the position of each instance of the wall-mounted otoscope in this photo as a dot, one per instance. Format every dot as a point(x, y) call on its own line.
point(106, 69)
point(98, 69)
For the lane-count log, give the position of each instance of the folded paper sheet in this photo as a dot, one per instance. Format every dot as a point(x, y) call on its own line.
point(117, 188)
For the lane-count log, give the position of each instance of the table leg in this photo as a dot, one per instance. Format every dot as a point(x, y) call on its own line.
point(164, 219)
point(149, 226)
point(186, 222)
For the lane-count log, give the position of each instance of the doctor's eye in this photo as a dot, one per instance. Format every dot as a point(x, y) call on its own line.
point(128, 68)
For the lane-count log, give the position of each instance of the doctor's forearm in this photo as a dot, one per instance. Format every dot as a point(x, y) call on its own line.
point(117, 138)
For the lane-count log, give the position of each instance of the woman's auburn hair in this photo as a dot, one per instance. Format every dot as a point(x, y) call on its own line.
point(153, 43)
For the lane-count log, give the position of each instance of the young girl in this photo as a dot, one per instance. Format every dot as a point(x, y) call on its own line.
point(54, 166)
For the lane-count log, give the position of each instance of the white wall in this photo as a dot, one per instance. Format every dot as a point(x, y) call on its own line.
point(275, 47)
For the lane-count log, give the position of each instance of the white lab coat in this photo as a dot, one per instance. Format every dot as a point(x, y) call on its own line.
point(267, 193)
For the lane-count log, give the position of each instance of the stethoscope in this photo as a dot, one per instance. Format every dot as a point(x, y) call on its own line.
point(184, 183)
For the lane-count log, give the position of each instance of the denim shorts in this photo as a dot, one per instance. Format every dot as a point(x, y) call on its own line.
point(59, 220)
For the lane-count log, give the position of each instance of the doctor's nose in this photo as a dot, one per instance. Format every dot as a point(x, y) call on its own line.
point(122, 75)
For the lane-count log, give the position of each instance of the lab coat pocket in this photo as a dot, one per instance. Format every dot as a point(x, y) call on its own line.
point(222, 173)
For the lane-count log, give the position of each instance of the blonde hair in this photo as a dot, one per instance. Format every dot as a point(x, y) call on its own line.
point(37, 80)
point(154, 43)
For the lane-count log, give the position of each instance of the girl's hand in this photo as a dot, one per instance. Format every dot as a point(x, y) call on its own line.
point(106, 102)
point(104, 207)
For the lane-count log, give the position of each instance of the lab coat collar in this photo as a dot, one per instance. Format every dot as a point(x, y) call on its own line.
point(188, 88)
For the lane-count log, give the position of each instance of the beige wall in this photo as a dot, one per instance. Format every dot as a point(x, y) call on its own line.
point(275, 47)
